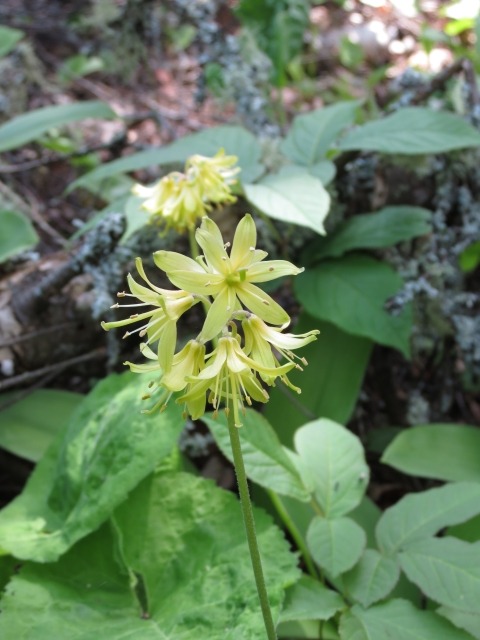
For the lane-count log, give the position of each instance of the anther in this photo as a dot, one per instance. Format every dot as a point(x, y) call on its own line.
point(150, 384)
point(142, 333)
point(207, 284)
point(215, 414)
point(226, 245)
point(121, 294)
point(227, 411)
point(135, 315)
point(270, 268)
point(252, 248)
point(163, 408)
point(304, 360)
point(266, 302)
point(127, 333)
point(224, 257)
point(297, 366)
point(249, 400)
point(184, 415)
point(228, 308)
point(146, 396)
point(115, 306)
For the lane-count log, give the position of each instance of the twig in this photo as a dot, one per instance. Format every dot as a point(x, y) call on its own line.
point(438, 81)
point(34, 334)
point(26, 392)
point(59, 366)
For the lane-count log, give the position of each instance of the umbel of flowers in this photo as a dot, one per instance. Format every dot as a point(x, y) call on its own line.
point(236, 370)
point(179, 199)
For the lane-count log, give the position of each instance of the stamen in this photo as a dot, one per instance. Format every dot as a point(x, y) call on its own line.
point(224, 257)
point(121, 294)
point(184, 414)
point(115, 306)
point(135, 315)
point(146, 396)
point(215, 414)
point(207, 284)
point(252, 248)
point(226, 245)
point(266, 302)
point(142, 333)
point(304, 360)
point(127, 333)
point(271, 269)
point(151, 383)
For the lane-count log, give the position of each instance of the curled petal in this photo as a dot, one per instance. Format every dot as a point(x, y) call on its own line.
point(143, 275)
point(147, 352)
point(141, 292)
point(270, 270)
point(142, 368)
point(244, 241)
point(171, 261)
point(260, 303)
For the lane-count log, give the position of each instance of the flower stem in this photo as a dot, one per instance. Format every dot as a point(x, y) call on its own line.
point(250, 526)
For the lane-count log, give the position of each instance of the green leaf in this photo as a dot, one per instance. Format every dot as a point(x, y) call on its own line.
point(107, 448)
point(309, 599)
point(452, 452)
point(307, 629)
point(298, 198)
point(135, 216)
point(367, 515)
point(330, 384)
point(30, 126)
point(396, 620)
point(447, 570)
point(371, 231)
point(468, 531)
point(267, 462)
point(28, 427)
point(8, 39)
point(235, 140)
point(413, 130)
point(183, 543)
point(372, 578)
point(313, 134)
point(325, 171)
point(351, 292)
point(334, 460)
point(418, 516)
point(18, 234)
point(335, 545)
point(469, 259)
point(7, 569)
point(468, 621)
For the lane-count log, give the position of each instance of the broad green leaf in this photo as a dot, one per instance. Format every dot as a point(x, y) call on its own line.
point(17, 235)
point(106, 449)
point(309, 599)
point(396, 620)
point(447, 570)
point(351, 292)
point(267, 462)
point(235, 140)
point(297, 198)
point(418, 516)
point(468, 531)
point(135, 216)
point(330, 384)
point(7, 569)
point(9, 38)
point(300, 629)
point(370, 231)
point(462, 619)
point(30, 126)
point(372, 578)
point(452, 452)
point(28, 427)
point(312, 134)
point(469, 259)
point(334, 460)
point(335, 545)
point(413, 130)
point(367, 514)
point(325, 171)
point(183, 543)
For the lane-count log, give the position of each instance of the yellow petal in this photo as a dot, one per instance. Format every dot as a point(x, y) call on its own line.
point(261, 304)
point(214, 251)
point(201, 283)
point(219, 313)
point(245, 239)
point(171, 261)
point(270, 270)
point(166, 346)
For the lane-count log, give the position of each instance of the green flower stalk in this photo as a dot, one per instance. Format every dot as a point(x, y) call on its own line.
point(225, 282)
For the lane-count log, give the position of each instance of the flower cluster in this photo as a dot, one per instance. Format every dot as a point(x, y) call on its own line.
point(178, 199)
point(225, 283)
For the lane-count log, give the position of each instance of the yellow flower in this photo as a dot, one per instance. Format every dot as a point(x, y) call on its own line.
point(229, 279)
point(215, 175)
point(188, 362)
point(179, 199)
point(161, 322)
point(259, 337)
point(230, 375)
